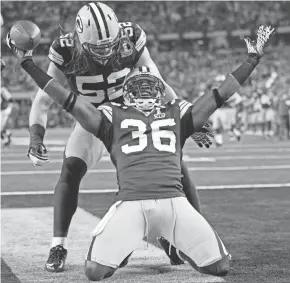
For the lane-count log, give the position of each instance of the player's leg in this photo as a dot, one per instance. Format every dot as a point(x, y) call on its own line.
point(195, 239)
point(193, 198)
point(189, 188)
point(77, 159)
point(5, 134)
point(120, 232)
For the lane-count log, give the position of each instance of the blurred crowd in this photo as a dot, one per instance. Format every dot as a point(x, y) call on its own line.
point(168, 16)
point(190, 67)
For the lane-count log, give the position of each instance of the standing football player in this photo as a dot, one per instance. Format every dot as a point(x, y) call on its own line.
point(94, 60)
point(6, 110)
point(150, 199)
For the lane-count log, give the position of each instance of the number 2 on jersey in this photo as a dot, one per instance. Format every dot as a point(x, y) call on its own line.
point(157, 135)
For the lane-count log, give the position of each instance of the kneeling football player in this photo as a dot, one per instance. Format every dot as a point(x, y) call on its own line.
point(145, 141)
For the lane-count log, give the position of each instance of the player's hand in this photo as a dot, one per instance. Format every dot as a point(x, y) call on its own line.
point(38, 154)
point(21, 54)
point(263, 36)
point(203, 138)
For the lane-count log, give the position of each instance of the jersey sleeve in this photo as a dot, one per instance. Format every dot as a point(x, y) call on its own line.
point(61, 50)
point(105, 133)
point(137, 36)
point(186, 123)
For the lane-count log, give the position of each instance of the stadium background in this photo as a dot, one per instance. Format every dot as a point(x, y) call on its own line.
point(244, 187)
point(191, 42)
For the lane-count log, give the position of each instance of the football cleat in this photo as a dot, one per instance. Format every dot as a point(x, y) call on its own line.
point(170, 251)
point(56, 259)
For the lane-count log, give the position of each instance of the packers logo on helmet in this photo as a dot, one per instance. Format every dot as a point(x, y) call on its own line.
point(143, 89)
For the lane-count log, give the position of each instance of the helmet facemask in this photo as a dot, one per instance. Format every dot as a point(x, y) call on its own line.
point(103, 53)
point(143, 91)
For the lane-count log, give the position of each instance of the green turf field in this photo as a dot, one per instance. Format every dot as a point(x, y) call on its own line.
point(244, 190)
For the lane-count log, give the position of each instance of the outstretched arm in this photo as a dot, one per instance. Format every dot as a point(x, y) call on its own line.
point(85, 113)
point(209, 102)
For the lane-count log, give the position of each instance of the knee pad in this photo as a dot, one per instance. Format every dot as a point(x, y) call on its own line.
point(219, 268)
point(96, 272)
point(73, 170)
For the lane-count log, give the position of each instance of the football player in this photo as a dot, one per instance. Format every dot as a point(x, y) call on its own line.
point(145, 141)
point(6, 110)
point(224, 119)
point(94, 60)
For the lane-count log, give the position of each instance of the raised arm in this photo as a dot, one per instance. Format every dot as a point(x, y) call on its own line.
point(209, 102)
point(84, 112)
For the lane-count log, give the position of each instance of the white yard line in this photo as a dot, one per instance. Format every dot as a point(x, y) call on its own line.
point(26, 235)
point(218, 187)
point(186, 158)
point(107, 159)
point(100, 171)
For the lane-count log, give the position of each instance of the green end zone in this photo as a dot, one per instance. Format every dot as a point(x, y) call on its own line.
point(26, 235)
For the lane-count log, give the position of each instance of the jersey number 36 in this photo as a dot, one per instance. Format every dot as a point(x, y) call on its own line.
point(157, 135)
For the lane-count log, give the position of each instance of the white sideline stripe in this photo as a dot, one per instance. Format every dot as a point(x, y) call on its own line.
point(250, 157)
point(108, 159)
point(26, 236)
point(218, 187)
point(185, 158)
point(98, 171)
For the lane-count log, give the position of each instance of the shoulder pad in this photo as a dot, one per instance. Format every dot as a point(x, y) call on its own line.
point(135, 33)
point(183, 106)
point(107, 110)
point(60, 51)
point(116, 104)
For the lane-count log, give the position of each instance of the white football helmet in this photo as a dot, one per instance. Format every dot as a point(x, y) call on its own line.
point(98, 31)
point(143, 89)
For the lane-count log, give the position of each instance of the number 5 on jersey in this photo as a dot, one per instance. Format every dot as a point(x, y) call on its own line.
point(157, 135)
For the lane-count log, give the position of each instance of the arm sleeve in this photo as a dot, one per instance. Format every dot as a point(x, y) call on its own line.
point(105, 133)
point(186, 122)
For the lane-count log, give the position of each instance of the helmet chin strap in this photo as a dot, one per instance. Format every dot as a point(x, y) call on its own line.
point(145, 104)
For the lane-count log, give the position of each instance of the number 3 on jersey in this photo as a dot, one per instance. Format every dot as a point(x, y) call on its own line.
point(157, 135)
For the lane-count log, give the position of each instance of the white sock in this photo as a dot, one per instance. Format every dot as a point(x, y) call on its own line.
point(59, 241)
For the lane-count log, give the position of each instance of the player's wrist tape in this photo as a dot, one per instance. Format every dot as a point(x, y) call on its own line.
point(244, 71)
point(218, 99)
point(70, 102)
point(40, 77)
point(36, 133)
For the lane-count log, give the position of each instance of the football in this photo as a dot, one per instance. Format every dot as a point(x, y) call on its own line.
point(25, 35)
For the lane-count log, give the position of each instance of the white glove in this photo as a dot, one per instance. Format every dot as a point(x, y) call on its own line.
point(21, 54)
point(257, 46)
point(38, 154)
point(203, 137)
